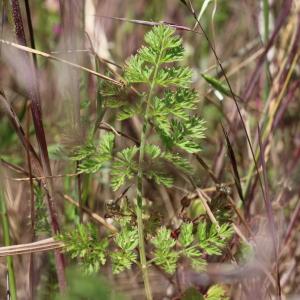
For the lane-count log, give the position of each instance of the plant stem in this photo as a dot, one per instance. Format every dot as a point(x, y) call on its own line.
point(139, 207)
point(266, 12)
point(31, 83)
point(143, 259)
point(6, 238)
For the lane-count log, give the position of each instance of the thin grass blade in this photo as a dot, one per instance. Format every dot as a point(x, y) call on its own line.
point(234, 166)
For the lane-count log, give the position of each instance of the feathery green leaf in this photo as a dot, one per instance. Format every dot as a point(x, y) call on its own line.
point(165, 256)
point(98, 156)
point(216, 292)
point(82, 243)
point(124, 167)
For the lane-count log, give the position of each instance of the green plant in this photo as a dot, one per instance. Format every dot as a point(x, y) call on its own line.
point(215, 292)
point(165, 105)
point(207, 240)
point(82, 243)
point(87, 287)
point(41, 222)
point(194, 243)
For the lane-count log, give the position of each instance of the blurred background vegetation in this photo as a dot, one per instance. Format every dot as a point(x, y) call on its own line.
point(266, 83)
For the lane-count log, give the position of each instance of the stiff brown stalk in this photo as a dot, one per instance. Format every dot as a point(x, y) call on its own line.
point(39, 246)
point(32, 90)
point(93, 215)
point(31, 274)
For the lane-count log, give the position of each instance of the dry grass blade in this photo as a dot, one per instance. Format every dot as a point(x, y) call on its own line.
point(55, 58)
point(36, 163)
point(234, 166)
point(40, 246)
point(31, 203)
point(204, 199)
point(93, 215)
point(206, 167)
point(291, 227)
point(39, 178)
point(269, 209)
point(13, 167)
point(151, 23)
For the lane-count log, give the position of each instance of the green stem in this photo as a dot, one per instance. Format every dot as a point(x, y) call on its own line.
point(5, 6)
point(139, 207)
point(266, 13)
point(9, 259)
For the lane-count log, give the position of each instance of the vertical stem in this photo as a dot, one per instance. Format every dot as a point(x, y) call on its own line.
point(31, 273)
point(30, 29)
point(79, 188)
point(139, 212)
point(6, 237)
point(139, 207)
point(266, 12)
point(6, 13)
point(33, 92)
